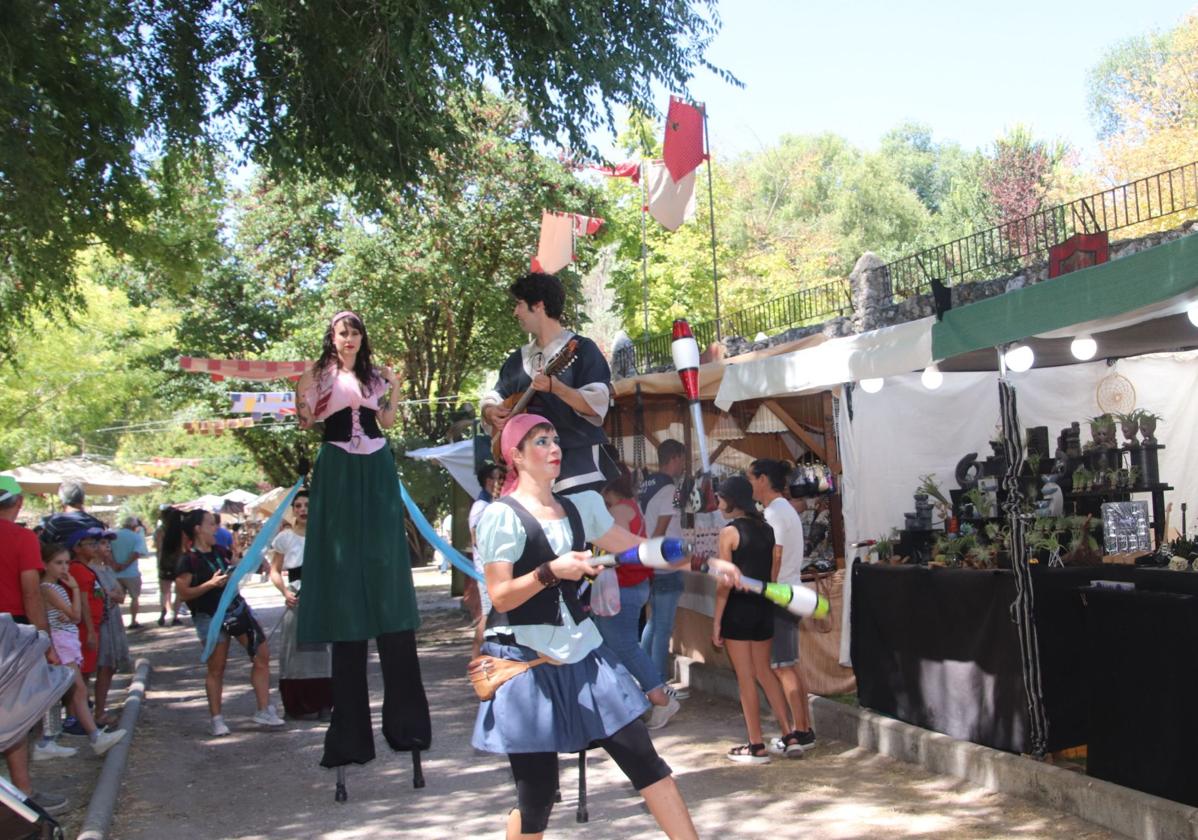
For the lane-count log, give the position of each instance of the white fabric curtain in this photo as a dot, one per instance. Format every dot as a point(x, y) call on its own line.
point(905, 431)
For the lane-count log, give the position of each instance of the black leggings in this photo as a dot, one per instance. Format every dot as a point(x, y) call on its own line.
point(406, 724)
point(537, 779)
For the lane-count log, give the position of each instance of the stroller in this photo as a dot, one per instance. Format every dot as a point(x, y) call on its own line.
point(28, 687)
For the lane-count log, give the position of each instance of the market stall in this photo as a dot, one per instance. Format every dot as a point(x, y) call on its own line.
point(937, 646)
point(800, 429)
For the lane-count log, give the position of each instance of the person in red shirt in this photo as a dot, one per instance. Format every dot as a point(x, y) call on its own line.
point(84, 546)
point(20, 594)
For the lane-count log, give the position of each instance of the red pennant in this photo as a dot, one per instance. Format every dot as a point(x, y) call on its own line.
point(683, 145)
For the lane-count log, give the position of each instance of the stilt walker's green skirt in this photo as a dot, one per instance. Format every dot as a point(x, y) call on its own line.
point(357, 575)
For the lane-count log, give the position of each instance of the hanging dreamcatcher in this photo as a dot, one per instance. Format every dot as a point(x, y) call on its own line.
point(1115, 395)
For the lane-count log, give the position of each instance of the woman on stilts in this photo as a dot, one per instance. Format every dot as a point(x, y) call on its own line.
point(531, 543)
point(357, 575)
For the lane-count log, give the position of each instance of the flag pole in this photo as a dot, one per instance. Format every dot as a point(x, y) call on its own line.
point(715, 275)
point(644, 244)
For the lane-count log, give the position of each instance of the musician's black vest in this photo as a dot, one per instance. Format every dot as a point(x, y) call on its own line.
point(339, 426)
point(542, 607)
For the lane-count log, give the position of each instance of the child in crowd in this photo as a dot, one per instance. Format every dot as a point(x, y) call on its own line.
point(745, 622)
point(113, 655)
point(64, 611)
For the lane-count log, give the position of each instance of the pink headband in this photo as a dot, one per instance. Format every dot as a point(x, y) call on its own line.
point(515, 431)
point(345, 313)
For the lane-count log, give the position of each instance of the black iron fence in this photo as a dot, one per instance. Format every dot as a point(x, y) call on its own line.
point(1007, 247)
point(806, 306)
point(983, 255)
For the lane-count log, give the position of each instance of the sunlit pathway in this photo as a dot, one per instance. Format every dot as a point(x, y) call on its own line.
point(258, 784)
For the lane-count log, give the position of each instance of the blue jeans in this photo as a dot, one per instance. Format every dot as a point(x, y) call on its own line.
point(619, 634)
point(663, 603)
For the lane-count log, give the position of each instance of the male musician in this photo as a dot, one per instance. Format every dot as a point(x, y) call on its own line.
point(576, 399)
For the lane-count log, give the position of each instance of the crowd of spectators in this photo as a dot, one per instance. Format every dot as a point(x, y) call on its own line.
point(64, 586)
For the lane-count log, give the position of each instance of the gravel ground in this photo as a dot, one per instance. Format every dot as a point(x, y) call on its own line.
point(267, 784)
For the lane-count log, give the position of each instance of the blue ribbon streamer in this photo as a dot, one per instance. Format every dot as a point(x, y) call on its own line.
point(429, 533)
point(250, 561)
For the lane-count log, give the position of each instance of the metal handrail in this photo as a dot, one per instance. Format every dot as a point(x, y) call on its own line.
point(1006, 247)
point(813, 305)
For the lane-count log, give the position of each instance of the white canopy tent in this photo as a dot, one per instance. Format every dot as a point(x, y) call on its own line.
point(98, 478)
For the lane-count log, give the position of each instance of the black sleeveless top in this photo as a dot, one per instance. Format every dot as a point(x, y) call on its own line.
point(754, 557)
point(542, 607)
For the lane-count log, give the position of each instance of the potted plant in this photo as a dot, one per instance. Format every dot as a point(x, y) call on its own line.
point(976, 499)
point(1082, 478)
point(930, 488)
point(1133, 476)
point(1083, 546)
point(1129, 424)
point(1148, 421)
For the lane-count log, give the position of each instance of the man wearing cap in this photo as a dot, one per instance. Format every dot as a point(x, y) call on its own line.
point(20, 595)
point(127, 549)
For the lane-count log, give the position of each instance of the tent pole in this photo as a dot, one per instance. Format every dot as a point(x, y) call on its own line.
point(715, 275)
point(644, 245)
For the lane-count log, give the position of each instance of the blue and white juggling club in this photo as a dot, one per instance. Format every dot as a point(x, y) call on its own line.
point(655, 553)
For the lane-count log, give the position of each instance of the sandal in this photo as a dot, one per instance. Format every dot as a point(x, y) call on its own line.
point(792, 745)
point(749, 754)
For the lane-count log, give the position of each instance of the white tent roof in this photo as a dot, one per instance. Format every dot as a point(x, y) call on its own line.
point(888, 351)
point(97, 478)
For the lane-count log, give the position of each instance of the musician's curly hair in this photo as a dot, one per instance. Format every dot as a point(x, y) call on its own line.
point(538, 287)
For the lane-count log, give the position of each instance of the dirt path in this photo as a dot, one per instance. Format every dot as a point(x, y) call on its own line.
point(259, 784)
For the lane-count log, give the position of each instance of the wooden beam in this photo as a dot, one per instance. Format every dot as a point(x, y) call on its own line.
point(797, 430)
point(830, 435)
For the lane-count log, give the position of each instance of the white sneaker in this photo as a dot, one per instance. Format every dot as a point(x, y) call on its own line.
point(776, 746)
point(268, 717)
point(51, 750)
point(218, 728)
point(680, 693)
point(659, 716)
point(107, 740)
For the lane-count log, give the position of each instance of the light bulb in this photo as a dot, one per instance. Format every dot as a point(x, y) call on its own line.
point(932, 378)
point(872, 386)
point(1019, 358)
point(1083, 348)
point(1192, 313)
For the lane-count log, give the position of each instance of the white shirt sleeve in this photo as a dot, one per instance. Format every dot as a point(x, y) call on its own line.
point(596, 519)
point(500, 535)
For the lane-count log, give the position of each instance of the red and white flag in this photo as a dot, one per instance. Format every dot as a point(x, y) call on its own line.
point(670, 202)
point(683, 146)
point(586, 225)
point(628, 169)
point(556, 247)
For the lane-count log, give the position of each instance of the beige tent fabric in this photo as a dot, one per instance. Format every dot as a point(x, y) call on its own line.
point(710, 374)
point(819, 652)
point(97, 478)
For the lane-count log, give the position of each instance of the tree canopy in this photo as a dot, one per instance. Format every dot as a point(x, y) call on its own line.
point(97, 94)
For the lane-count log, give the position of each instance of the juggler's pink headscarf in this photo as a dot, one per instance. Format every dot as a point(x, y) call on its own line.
point(513, 433)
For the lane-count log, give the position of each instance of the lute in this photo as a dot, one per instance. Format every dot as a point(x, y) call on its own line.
point(518, 403)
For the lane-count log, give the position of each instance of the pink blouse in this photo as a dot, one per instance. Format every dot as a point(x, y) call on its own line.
point(346, 392)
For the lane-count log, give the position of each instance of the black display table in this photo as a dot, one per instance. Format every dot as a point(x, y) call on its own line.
point(1143, 690)
point(937, 648)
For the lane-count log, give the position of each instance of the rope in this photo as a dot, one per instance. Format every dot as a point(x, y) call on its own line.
point(1023, 610)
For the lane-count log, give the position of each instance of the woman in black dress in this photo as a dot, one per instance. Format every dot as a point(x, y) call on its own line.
point(745, 622)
